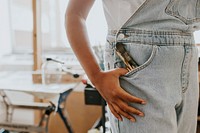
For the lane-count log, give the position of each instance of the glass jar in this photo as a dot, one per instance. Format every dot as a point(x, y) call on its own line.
point(51, 72)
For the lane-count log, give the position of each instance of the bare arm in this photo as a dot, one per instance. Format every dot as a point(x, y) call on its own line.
point(76, 15)
point(107, 83)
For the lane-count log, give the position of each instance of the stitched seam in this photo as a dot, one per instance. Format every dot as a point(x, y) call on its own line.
point(188, 75)
point(139, 9)
point(138, 31)
point(158, 43)
point(143, 5)
point(186, 21)
point(145, 64)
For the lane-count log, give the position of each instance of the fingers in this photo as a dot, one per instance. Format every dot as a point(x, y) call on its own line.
point(123, 94)
point(126, 111)
point(123, 113)
point(127, 108)
point(130, 98)
point(121, 108)
point(114, 112)
point(121, 71)
point(119, 105)
point(116, 97)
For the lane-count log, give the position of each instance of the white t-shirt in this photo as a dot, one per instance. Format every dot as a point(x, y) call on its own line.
point(117, 12)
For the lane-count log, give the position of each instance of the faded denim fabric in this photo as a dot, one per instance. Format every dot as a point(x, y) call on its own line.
point(159, 37)
point(180, 15)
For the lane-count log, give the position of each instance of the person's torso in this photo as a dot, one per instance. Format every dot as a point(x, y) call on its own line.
point(181, 15)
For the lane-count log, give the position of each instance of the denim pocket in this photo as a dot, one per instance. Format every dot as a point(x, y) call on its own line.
point(186, 11)
point(142, 54)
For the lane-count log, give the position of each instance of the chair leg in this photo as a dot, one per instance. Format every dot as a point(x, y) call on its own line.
point(60, 112)
point(46, 116)
point(63, 98)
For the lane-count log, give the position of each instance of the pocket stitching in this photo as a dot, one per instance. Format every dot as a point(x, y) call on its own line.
point(147, 63)
point(182, 18)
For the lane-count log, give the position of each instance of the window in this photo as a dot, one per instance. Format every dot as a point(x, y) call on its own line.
point(17, 25)
point(53, 28)
point(21, 17)
point(51, 16)
point(5, 38)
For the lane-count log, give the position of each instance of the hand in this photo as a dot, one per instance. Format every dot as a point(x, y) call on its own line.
point(107, 83)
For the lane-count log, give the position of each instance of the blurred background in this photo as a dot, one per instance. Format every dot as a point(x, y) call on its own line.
point(30, 32)
point(16, 29)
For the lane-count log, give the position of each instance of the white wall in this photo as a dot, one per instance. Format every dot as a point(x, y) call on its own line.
point(96, 24)
point(5, 32)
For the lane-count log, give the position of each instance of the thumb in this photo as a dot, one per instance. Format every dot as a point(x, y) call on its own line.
point(121, 71)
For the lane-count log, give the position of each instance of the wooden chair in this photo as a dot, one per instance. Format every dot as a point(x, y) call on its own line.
point(46, 108)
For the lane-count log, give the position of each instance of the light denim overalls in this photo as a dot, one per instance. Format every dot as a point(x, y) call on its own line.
point(159, 36)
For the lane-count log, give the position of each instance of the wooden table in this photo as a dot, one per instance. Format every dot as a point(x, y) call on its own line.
point(22, 82)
